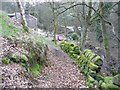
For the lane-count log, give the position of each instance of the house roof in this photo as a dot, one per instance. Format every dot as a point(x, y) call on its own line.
point(11, 15)
point(18, 15)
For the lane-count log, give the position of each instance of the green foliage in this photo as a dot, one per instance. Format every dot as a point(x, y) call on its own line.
point(75, 36)
point(93, 66)
point(32, 41)
point(76, 50)
point(90, 64)
point(97, 60)
point(7, 29)
point(23, 59)
point(105, 86)
point(116, 80)
point(33, 58)
point(108, 79)
point(26, 29)
point(86, 50)
point(35, 69)
point(99, 77)
point(6, 60)
point(36, 56)
point(90, 79)
point(13, 57)
point(108, 83)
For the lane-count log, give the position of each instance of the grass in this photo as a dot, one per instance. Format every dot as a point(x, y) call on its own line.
point(7, 28)
point(39, 38)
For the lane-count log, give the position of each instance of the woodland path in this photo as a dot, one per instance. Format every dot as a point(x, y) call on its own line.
point(61, 72)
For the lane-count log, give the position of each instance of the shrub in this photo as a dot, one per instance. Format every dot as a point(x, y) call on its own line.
point(75, 36)
point(6, 60)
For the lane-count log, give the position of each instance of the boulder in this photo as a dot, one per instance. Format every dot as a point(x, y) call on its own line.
point(23, 58)
point(92, 66)
point(92, 73)
point(76, 50)
point(99, 77)
point(86, 50)
point(90, 79)
point(116, 79)
point(108, 79)
point(97, 60)
point(92, 56)
point(87, 54)
point(105, 86)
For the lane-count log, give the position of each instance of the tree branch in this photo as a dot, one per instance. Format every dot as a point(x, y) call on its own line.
point(115, 33)
point(88, 7)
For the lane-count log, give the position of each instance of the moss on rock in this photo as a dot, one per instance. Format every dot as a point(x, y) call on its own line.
point(93, 55)
point(116, 79)
point(35, 69)
point(108, 79)
point(105, 86)
point(92, 66)
point(23, 59)
point(86, 50)
point(90, 79)
point(6, 60)
point(97, 60)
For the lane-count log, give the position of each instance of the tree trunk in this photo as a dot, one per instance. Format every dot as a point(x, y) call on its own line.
point(105, 35)
point(83, 28)
point(22, 13)
point(86, 24)
point(65, 24)
point(119, 37)
point(52, 5)
point(55, 26)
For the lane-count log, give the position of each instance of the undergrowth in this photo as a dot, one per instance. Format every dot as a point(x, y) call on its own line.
point(7, 28)
point(35, 46)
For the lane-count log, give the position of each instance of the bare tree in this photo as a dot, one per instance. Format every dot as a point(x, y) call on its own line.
point(104, 33)
point(22, 13)
point(52, 4)
point(119, 37)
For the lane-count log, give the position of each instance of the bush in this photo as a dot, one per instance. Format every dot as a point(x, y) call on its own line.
point(6, 60)
point(75, 36)
point(23, 59)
